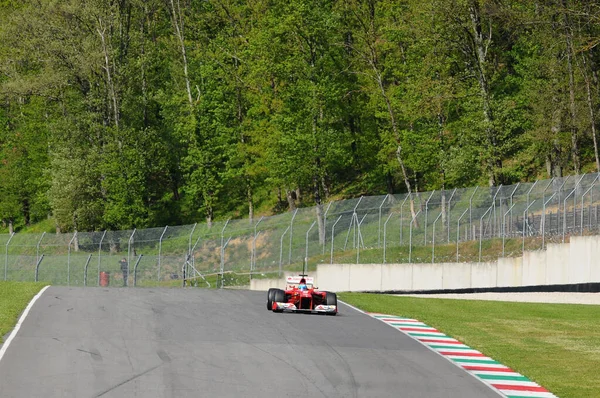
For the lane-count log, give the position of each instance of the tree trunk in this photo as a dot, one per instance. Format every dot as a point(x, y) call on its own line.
point(592, 113)
point(290, 199)
point(209, 216)
point(397, 138)
point(250, 201)
point(109, 79)
point(11, 227)
point(572, 109)
point(179, 32)
point(480, 50)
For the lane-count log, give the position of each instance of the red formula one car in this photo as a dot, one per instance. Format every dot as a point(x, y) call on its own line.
point(300, 296)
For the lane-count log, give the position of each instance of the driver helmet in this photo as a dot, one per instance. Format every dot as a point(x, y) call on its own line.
point(302, 284)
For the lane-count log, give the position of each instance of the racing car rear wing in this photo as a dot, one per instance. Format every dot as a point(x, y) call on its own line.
point(293, 281)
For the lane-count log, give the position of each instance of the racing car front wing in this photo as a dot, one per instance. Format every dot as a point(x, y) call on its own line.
point(290, 307)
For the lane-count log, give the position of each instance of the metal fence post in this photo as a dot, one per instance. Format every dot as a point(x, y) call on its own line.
point(69, 260)
point(159, 254)
point(253, 255)
point(504, 225)
point(379, 222)
point(494, 206)
point(85, 268)
point(190, 256)
point(281, 250)
point(511, 216)
point(402, 217)
point(481, 229)
point(544, 200)
point(458, 231)
point(135, 269)
point(433, 238)
point(385, 234)
point(306, 252)
point(37, 267)
point(544, 219)
point(223, 261)
point(525, 222)
point(333, 236)
point(354, 217)
point(528, 192)
point(565, 208)
point(129, 256)
point(222, 236)
point(410, 237)
point(99, 255)
point(359, 239)
point(449, 209)
point(6, 256)
point(291, 236)
point(426, 217)
point(37, 250)
point(325, 226)
point(582, 199)
point(471, 212)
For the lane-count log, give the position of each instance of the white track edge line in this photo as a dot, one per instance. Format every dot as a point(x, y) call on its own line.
point(494, 389)
point(21, 319)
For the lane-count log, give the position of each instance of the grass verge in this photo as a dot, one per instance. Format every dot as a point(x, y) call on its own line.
point(14, 297)
point(555, 345)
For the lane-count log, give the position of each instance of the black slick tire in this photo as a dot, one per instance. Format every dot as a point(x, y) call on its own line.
point(270, 298)
point(278, 296)
point(331, 299)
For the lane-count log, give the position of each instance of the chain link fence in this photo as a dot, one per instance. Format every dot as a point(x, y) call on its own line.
point(472, 224)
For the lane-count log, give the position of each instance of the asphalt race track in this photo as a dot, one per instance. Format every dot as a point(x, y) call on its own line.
point(98, 342)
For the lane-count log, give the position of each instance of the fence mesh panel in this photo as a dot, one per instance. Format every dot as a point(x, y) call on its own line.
point(477, 224)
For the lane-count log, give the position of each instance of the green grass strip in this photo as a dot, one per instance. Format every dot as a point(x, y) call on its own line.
point(554, 345)
point(14, 297)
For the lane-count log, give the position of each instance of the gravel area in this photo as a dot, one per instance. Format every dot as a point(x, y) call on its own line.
point(555, 297)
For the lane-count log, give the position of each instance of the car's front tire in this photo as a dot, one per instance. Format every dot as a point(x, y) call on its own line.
point(279, 297)
point(270, 298)
point(331, 299)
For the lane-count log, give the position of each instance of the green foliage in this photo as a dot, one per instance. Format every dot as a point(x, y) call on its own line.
point(136, 113)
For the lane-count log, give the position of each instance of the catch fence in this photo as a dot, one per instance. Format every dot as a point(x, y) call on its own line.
point(472, 224)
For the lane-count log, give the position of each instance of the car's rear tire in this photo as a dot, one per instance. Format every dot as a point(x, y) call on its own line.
point(270, 298)
point(278, 296)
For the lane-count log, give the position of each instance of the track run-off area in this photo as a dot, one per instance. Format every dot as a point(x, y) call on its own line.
point(99, 342)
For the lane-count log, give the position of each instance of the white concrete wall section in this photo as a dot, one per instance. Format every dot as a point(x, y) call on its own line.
point(574, 262)
point(484, 274)
point(595, 261)
point(580, 258)
point(266, 284)
point(456, 275)
point(397, 277)
point(557, 263)
point(428, 276)
point(364, 277)
point(509, 272)
point(334, 277)
point(534, 268)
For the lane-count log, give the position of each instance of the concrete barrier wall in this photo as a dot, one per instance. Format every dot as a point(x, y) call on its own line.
point(266, 284)
point(560, 264)
point(396, 277)
point(484, 274)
